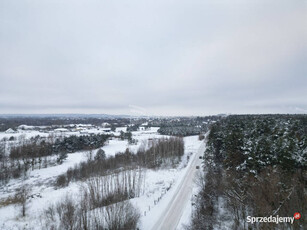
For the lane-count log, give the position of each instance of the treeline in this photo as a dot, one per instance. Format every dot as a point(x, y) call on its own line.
point(134, 127)
point(185, 126)
point(15, 121)
point(103, 200)
point(253, 142)
point(127, 136)
point(31, 150)
point(75, 143)
point(115, 187)
point(181, 130)
point(77, 215)
point(182, 121)
point(39, 153)
point(255, 165)
point(162, 152)
point(108, 185)
point(66, 145)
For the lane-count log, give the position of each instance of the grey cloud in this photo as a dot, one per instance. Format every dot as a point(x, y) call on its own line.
point(166, 57)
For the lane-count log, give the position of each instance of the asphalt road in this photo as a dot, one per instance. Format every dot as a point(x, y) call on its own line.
point(170, 217)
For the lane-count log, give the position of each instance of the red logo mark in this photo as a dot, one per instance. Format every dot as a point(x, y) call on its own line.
point(297, 215)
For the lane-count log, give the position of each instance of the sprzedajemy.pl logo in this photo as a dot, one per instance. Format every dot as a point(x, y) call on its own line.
point(273, 219)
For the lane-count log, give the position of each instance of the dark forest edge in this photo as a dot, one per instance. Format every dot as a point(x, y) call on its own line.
point(255, 165)
point(39, 152)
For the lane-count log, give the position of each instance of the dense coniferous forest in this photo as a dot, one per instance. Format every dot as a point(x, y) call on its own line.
point(65, 145)
point(255, 165)
point(185, 126)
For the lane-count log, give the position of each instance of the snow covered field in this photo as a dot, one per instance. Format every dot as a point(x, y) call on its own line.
point(175, 178)
point(160, 185)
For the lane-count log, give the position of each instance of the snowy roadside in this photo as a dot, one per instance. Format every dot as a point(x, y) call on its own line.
point(153, 211)
point(160, 185)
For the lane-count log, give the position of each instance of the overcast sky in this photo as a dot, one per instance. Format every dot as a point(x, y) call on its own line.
point(157, 57)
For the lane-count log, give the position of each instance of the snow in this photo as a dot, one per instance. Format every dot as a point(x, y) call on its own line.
point(26, 127)
point(117, 130)
point(44, 176)
point(186, 216)
point(114, 146)
point(10, 131)
point(169, 177)
point(61, 130)
point(160, 185)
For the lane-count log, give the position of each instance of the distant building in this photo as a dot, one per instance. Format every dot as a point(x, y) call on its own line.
point(61, 130)
point(84, 125)
point(10, 131)
point(79, 129)
point(83, 132)
point(106, 130)
point(105, 124)
point(24, 127)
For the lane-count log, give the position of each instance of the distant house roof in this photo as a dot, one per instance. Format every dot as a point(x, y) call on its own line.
point(106, 130)
point(84, 125)
point(105, 124)
point(61, 130)
point(25, 127)
point(10, 131)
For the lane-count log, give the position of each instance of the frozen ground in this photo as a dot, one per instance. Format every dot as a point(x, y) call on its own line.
point(169, 214)
point(160, 186)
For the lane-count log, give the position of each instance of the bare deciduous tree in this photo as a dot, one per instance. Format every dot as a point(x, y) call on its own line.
point(22, 196)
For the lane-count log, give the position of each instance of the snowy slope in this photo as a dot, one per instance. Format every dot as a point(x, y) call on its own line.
point(160, 185)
